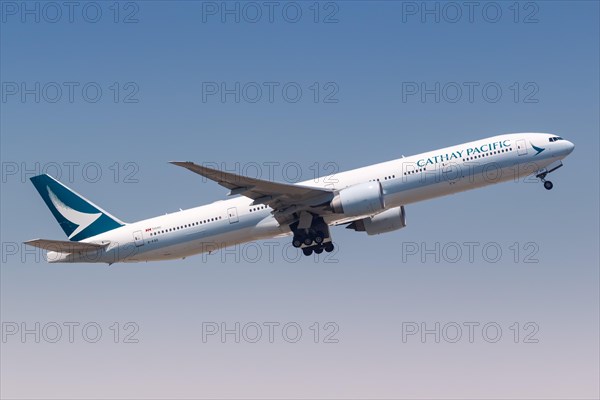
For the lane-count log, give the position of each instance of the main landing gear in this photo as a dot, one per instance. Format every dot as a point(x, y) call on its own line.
point(318, 249)
point(314, 239)
point(307, 239)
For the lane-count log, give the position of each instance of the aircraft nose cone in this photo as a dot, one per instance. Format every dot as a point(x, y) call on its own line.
point(570, 146)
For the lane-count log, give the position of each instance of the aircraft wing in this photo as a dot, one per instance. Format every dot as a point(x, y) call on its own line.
point(64, 246)
point(284, 198)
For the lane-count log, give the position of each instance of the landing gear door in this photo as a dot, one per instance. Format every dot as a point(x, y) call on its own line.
point(521, 147)
point(233, 215)
point(138, 239)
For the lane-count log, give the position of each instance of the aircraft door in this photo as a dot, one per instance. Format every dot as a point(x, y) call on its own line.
point(233, 215)
point(521, 147)
point(138, 239)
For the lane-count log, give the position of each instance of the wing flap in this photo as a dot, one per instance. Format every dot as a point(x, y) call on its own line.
point(64, 246)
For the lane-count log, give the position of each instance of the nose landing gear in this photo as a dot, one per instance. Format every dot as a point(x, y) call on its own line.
point(550, 168)
point(547, 184)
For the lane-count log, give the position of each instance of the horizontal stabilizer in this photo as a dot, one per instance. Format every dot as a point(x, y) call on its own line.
point(65, 246)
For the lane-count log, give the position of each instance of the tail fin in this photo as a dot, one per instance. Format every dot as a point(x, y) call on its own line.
point(77, 216)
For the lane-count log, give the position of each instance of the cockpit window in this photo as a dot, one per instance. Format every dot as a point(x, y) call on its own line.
point(555, 138)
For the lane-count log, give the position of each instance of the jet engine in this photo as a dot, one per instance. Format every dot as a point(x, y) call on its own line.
point(362, 199)
point(387, 221)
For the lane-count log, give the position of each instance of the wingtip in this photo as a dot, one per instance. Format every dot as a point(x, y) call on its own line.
point(32, 242)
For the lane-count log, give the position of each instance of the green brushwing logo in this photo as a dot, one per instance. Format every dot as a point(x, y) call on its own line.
point(537, 149)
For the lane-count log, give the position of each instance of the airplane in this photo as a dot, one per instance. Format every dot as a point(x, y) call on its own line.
point(371, 199)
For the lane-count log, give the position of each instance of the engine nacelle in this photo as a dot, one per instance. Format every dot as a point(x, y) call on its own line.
point(387, 221)
point(362, 199)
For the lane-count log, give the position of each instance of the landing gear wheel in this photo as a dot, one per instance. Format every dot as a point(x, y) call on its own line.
point(297, 242)
point(548, 185)
point(308, 240)
point(319, 237)
point(329, 247)
point(307, 251)
point(319, 250)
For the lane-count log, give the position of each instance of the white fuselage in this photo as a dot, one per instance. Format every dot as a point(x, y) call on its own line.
point(404, 181)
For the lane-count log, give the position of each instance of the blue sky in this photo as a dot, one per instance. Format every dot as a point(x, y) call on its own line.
point(157, 68)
